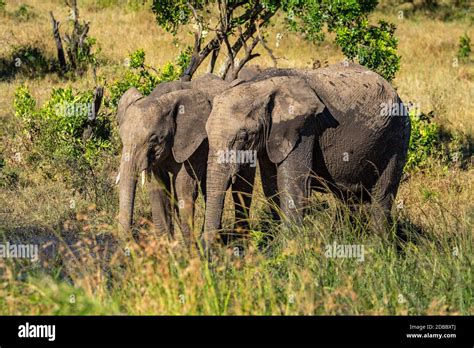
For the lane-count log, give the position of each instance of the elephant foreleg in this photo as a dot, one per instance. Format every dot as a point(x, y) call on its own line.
point(294, 181)
point(242, 194)
point(268, 175)
point(186, 191)
point(159, 192)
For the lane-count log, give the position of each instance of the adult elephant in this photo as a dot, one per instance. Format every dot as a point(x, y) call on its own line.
point(327, 128)
point(164, 138)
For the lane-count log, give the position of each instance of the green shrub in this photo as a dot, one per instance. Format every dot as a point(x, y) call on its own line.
point(424, 140)
point(144, 77)
point(373, 46)
point(57, 128)
point(464, 48)
point(435, 9)
point(431, 143)
point(24, 13)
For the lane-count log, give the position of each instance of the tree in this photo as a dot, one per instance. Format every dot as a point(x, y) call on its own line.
point(229, 26)
point(78, 43)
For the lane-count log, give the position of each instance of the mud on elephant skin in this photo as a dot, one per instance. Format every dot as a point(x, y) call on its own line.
point(311, 129)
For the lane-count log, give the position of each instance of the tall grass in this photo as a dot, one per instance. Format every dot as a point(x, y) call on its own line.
point(428, 273)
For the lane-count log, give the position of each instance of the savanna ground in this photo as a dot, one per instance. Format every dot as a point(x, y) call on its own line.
point(85, 268)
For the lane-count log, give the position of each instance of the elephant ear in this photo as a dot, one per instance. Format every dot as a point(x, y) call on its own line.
point(127, 99)
point(191, 111)
point(294, 105)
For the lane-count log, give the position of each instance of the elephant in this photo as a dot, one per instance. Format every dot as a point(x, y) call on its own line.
point(324, 129)
point(164, 138)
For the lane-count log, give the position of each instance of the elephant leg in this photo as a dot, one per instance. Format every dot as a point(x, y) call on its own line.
point(383, 195)
point(242, 194)
point(186, 191)
point(294, 180)
point(268, 175)
point(159, 193)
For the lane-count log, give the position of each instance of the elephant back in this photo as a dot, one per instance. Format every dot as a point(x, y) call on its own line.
point(351, 90)
point(209, 84)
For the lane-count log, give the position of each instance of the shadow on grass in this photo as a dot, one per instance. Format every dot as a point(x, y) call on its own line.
point(27, 61)
point(57, 246)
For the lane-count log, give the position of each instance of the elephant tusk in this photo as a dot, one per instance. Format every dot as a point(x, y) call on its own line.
point(118, 179)
point(143, 178)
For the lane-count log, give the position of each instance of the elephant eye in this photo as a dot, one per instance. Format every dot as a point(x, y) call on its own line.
point(242, 136)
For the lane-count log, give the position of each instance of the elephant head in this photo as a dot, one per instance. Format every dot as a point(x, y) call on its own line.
point(152, 129)
point(269, 115)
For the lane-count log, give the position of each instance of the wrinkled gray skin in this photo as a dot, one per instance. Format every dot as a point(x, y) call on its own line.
point(163, 136)
point(320, 129)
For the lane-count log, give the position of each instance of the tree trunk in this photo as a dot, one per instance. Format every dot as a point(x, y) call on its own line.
point(59, 44)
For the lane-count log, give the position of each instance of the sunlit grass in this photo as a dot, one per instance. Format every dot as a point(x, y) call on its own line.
point(430, 273)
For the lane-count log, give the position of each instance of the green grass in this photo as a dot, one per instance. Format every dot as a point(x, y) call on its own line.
point(430, 273)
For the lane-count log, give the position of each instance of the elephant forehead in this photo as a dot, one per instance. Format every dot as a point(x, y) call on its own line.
point(137, 124)
point(136, 136)
point(228, 103)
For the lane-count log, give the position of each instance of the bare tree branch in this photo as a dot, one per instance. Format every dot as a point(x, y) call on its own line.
point(223, 31)
point(265, 46)
point(59, 44)
point(246, 35)
point(199, 55)
point(213, 60)
point(247, 57)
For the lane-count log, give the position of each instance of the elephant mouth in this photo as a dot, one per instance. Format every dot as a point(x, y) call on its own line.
point(144, 176)
point(156, 155)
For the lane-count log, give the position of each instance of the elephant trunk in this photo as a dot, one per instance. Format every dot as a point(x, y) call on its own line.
point(218, 181)
point(127, 188)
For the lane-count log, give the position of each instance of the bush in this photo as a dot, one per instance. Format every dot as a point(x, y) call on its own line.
point(67, 141)
point(424, 140)
point(57, 127)
point(373, 46)
point(464, 48)
point(144, 77)
point(431, 143)
point(24, 13)
point(56, 134)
